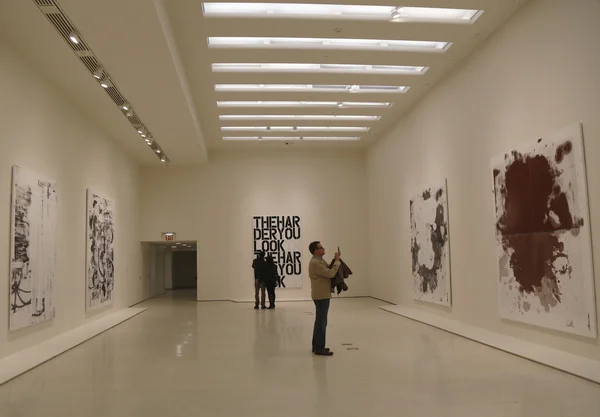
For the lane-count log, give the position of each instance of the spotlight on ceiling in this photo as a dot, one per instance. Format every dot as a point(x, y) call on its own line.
point(74, 38)
point(105, 83)
point(99, 74)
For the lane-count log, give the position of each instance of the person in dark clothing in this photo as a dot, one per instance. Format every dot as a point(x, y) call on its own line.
point(271, 278)
point(259, 265)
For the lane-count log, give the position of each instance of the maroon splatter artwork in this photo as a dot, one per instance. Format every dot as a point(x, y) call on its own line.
point(535, 208)
point(539, 224)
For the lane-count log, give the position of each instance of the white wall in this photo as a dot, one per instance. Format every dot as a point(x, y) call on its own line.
point(168, 270)
point(214, 205)
point(536, 76)
point(42, 130)
point(157, 272)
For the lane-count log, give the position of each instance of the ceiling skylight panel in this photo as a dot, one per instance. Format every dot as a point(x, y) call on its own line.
point(316, 68)
point(316, 88)
point(340, 12)
point(295, 128)
point(326, 43)
point(340, 104)
point(297, 117)
point(288, 138)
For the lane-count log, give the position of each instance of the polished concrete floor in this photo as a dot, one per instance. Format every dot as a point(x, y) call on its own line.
point(182, 358)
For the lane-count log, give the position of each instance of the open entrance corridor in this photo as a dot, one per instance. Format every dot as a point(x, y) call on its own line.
point(183, 358)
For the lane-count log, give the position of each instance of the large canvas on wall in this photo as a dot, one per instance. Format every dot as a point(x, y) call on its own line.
point(543, 235)
point(430, 245)
point(33, 249)
point(100, 251)
point(280, 237)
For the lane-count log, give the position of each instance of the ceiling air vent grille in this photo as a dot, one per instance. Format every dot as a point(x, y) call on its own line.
point(63, 26)
point(135, 120)
point(91, 63)
point(116, 96)
point(53, 12)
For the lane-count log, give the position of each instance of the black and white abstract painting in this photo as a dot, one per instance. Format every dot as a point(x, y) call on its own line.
point(33, 249)
point(100, 251)
point(430, 246)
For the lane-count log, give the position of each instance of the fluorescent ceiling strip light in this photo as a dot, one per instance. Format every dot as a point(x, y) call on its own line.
point(323, 68)
point(340, 11)
point(296, 117)
point(326, 43)
point(291, 138)
point(313, 88)
point(365, 104)
point(295, 128)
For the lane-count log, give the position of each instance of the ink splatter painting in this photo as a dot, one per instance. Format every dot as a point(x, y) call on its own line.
point(33, 249)
point(430, 246)
point(543, 235)
point(100, 251)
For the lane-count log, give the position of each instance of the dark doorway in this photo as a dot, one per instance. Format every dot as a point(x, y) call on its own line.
point(185, 269)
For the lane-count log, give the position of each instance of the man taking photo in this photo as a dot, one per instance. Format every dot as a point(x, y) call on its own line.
point(320, 283)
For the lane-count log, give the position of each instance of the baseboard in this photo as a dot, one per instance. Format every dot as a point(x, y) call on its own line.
point(27, 359)
point(567, 362)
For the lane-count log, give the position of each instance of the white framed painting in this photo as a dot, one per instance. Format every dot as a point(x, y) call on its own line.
point(430, 245)
point(543, 236)
point(32, 248)
point(100, 251)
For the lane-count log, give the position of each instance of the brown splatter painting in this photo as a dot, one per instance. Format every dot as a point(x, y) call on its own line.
point(430, 246)
point(538, 214)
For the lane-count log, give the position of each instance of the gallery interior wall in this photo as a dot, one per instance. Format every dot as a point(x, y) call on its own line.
point(536, 76)
point(45, 132)
point(214, 206)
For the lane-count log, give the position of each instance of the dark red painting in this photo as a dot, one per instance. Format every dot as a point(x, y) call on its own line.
point(542, 231)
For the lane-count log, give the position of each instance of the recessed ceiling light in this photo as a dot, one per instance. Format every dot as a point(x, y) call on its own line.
point(296, 128)
point(74, 38)
point(288, 138)
point(297, 117)
point(322, 88)
point(301, 104)
point(326, 43)
point(105, 84)
point(99, 73)
point(323, 68)
point(338, 11)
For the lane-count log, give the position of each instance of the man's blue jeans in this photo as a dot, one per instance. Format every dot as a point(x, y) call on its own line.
point(318, 341)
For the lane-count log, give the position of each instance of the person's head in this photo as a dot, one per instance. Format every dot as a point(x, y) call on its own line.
point(270, 260)
point(316, 248)
point(261, 254)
